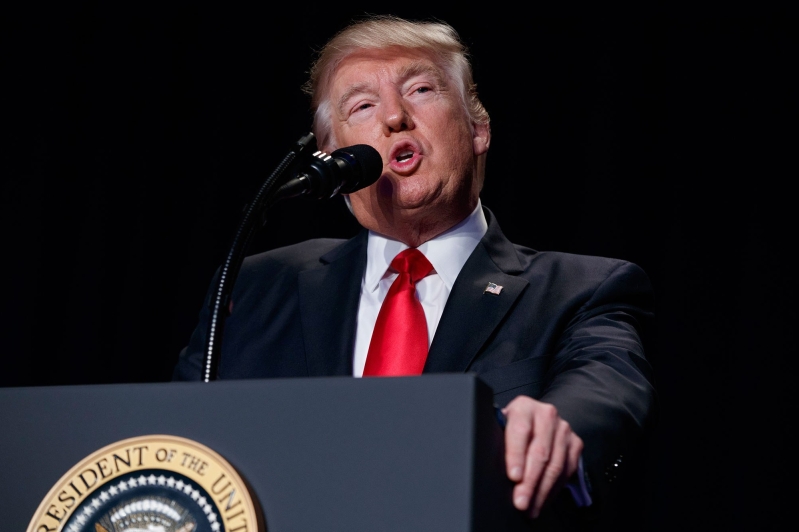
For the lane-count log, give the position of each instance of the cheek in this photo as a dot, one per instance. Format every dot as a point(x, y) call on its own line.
point(363, 130)
point(362, 198)
point(452, 123)
point(458, 146)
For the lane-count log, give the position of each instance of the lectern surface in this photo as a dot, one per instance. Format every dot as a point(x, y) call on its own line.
point(405, 454)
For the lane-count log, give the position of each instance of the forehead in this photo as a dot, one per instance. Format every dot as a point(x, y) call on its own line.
point(364, 67)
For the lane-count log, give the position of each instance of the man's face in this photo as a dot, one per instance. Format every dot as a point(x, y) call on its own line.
point(401, 103)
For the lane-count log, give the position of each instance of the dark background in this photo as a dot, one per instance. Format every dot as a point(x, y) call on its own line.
point(135, 133)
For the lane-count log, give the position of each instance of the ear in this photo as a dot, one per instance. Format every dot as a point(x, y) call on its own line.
point(481, 138)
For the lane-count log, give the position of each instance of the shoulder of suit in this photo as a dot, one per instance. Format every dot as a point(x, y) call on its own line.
point(571, 264)
point(302, 256)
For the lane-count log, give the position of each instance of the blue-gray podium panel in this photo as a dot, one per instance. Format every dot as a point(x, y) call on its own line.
point(334, 454)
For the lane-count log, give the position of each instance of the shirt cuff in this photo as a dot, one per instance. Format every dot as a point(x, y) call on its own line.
point(579, 487)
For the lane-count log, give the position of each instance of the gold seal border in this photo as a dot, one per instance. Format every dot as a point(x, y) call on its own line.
point(186, 457)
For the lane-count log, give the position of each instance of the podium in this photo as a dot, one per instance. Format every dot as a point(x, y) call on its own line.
point(318, 454)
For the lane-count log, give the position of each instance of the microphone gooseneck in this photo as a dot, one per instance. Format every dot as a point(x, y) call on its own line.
point(320, 175)
point(219, 303)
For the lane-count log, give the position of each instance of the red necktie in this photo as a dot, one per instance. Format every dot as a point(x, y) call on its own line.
point(399, 341)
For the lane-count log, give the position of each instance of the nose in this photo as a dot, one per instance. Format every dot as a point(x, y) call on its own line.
point(396, 115)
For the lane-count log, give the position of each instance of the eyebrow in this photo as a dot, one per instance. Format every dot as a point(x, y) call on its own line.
point(415, 68)
point(419, 67)
point(349, 93)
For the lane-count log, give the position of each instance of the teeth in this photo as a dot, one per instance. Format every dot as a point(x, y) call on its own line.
point(405, 155)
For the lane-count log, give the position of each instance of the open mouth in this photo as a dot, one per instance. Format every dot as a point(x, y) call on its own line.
point(404, 155)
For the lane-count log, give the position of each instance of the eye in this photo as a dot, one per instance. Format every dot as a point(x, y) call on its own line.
point(362, 106)
point(422, 90)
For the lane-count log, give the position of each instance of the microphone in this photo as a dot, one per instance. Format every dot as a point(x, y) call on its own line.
point(344, 171)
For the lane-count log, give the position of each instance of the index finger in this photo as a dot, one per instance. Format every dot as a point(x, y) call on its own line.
point(518, 433)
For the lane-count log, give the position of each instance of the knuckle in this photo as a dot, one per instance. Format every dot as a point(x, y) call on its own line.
point(515, 402)
point(578, 444)
point(554, 471)
point(578, 448)
point(520, 403)
point(549, 411)
point(520, 428)
point(540, 453)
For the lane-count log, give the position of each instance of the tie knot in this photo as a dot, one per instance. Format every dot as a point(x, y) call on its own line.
point(412, 262)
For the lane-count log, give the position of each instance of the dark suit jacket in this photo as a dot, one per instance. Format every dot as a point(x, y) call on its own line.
point(565, 329)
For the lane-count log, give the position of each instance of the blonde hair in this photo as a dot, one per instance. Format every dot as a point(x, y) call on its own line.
point(386, 31)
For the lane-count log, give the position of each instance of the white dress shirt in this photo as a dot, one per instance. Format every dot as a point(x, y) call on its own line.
point(447, 253)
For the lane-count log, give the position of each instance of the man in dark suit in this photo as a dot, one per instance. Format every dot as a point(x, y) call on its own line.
point(432, 285)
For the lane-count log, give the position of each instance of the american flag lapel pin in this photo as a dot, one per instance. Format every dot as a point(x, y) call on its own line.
point(492, 288)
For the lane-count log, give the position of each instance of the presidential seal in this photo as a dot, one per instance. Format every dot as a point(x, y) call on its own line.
point(150, 484)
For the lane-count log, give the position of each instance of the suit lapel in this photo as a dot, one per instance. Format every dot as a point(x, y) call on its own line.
point(329, 307)
point(471, 315)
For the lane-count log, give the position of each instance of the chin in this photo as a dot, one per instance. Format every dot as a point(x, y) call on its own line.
point(411, 203)
point(410, 194)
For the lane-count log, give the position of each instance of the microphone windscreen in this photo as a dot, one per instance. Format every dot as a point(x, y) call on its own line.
point(366, 163)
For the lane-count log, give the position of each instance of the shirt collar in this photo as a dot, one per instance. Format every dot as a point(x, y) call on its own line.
point(447, 252)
